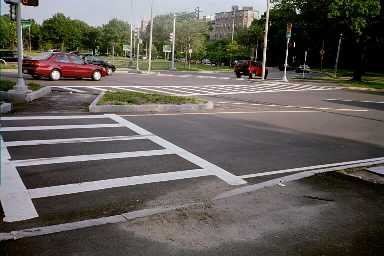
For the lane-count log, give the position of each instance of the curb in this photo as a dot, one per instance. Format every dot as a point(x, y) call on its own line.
point(38, 94)
point(364, 89)
point(5, 108)
point(157, 108)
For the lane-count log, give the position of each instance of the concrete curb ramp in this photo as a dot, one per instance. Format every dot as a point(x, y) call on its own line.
point(31, 96)
point(158, 108)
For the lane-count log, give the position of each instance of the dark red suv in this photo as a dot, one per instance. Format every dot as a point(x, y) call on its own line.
point(249, 68)
point(56, 65)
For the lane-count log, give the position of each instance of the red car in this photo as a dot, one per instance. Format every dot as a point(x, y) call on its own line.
point(56, 65)
point(249, 68)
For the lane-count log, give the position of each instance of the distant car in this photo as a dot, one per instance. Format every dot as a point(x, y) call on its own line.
point(249, 68)
point(303, 68)
point(206, 62)
point(9, 56)
point(56, 65)
point(289, 67)
point(91, 59)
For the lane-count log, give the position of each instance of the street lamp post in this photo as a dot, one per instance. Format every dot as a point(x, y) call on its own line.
point(289, 31)
point(265, 40)
point(173, 42)
point(138, 52)
point(150, 41)
point(338, 54)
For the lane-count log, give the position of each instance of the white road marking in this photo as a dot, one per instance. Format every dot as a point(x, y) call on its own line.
point(293, 177)
point(86, 158)
point(302, 107)
point(69, 89)
point(15, 199)
point(58, 127)
point(73, 140)
point(262, 174)
point(363, 101)
point(22, 118)
point(115, 183)
point(209, 167)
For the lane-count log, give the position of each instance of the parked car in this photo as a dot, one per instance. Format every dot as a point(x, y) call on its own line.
point(249, 68)
point(303, 68)
point(57, 65)
point(9, 56)
point(91, 59)
point(289, 67)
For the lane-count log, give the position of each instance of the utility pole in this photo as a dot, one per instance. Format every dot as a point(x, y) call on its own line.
point(197, 12)
point(233, 23)
point(265, 40)
point(131, 45)
point(338, 53)
point(30, 39)
point(289, 32)
point(138, 52)
point(150, 40)
point(173, 43)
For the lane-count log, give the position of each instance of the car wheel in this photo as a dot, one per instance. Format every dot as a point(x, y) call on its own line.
point(96, 76)
point(55, 75)
point(250, 76)
point(109, 71)
point(266, 74)
point(238, 74)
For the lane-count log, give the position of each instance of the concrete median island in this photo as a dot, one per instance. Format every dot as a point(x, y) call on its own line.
point(124, 101)
point(36, 91)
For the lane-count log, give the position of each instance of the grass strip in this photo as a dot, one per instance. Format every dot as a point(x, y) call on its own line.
point(136, 98)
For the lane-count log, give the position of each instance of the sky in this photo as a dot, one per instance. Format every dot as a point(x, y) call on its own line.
point(98, 12)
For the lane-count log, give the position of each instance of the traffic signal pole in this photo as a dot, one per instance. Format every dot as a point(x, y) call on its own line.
point(20, 87)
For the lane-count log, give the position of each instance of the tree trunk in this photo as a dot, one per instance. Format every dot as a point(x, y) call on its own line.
point(361, 63)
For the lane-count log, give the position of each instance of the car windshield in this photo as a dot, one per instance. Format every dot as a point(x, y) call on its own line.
point(43, 56)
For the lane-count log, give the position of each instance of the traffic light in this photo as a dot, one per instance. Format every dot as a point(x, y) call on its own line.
point(171, 37)
point(12, 12)
point(30, 2)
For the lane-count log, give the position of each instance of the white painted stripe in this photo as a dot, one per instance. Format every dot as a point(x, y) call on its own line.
point(85, 158)
point(226, 113)
point(22, 118)
point(115, 183)
point(58, 127)
point(137, 129)
point(128, 89)
point(262, 174)
point(69, 89)
point(73, 140)
point(155, 89)
point(211, 168)
point(293, 177)
point(363, 101)
point(15, 200)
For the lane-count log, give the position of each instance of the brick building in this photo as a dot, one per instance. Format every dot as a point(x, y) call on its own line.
point(224, 21)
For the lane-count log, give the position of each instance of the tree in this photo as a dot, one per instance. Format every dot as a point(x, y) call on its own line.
point(357, 17)
point(56, 31)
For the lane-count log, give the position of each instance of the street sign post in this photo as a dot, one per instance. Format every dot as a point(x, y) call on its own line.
point(167, 48)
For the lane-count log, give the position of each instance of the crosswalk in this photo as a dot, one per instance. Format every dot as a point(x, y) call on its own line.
point(45, 144)
point(206, 90)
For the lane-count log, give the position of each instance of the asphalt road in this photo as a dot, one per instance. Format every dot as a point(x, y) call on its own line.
point(81, 167)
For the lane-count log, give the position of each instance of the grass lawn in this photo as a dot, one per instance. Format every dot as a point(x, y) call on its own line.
point(121, 62)
point(8, 66)
point(6, 85)
point(370, 80)
point(136, 98)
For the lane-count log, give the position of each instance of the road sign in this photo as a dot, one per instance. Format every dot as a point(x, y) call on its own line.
point(30, 2)
point(167, 48)
point(26, 23)
point(126, 48)
point(322, 52)
point(190, 51)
